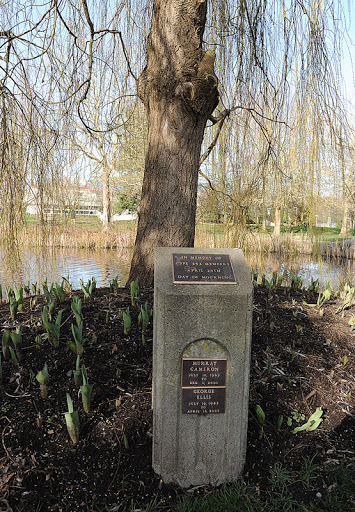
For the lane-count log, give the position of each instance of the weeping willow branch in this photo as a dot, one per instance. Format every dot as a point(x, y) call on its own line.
point(221, 118)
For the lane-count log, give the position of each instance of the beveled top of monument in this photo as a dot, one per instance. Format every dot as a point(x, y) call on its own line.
point(206, 269)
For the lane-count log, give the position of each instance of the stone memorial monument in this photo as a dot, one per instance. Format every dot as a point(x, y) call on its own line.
point(201, 362)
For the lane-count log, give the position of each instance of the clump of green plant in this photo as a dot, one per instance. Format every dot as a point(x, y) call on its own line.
point(0, 370)
point(276, 280)
point(13, 351)
point(260, 416)
point(308, 472)
point(88, 289)
point(59, 292)
point(280, 420)
point(125, 440)
point(134, 286)
point(39, 339)
point(66, 285)
point(78, 378)
point(52, 329)
point(8, 293)
point(76, 308)
point(296, 282)
point(27, 289)
point(312, 288)
point(72, 421)
point(297, 416)
point(314, 421)
point(48, 293)
point(13, 307)
point(347, 295)
point(86, 390)
point(143, 320)
point(77, 347)
point(127, 321)
point(280, 477)
point(18, 292)
point(43, 378)
point(325, 295)
point(16, 338)
point(114, 286)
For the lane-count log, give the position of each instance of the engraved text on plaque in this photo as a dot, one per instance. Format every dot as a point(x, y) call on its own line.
point(203, 385)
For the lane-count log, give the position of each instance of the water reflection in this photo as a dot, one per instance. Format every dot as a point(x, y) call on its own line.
point(34, 265)
point(308, 267)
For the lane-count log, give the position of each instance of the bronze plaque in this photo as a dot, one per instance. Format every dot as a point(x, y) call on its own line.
point(203, 372)
point(203, 400)
point(203, 385)
point(202, 269)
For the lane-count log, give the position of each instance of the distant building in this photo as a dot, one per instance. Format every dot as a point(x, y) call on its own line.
point(63, 199)
point(125, 215)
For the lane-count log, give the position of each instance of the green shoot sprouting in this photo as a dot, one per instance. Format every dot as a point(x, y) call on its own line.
point(16, 338)
point(13, 307)
point(86, 390)
point(89, 288)
point(127, 321)
point(59, 292)
point(19, 297)
point(53, 330)
point(134, 291)
point(260, 416)
point(72, 421)
point(77, 347)
point(76, 308)
point(43, 378)
point(78, 378)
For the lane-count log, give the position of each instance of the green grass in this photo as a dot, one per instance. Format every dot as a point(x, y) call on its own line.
point(241, 497)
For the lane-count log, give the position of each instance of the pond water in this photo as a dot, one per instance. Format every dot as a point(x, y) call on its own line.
point(34, 265)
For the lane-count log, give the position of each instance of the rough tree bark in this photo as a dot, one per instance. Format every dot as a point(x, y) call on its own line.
point(179, 90)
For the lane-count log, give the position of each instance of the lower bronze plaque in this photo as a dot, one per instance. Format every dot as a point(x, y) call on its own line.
point(203, 400)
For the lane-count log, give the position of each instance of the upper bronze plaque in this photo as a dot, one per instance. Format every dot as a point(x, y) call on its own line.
point(202, 269)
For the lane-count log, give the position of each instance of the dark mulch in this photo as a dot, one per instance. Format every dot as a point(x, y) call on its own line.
point(297, 365)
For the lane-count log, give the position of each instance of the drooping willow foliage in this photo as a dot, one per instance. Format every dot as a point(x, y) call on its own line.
point(68, 71)
point(280, 66)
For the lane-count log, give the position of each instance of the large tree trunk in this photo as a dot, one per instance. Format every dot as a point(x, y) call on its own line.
point(179, 90)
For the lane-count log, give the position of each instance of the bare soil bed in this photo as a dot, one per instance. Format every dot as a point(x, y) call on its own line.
point(302, 358)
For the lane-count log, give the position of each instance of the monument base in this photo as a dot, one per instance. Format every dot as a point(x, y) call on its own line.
point(201, 362)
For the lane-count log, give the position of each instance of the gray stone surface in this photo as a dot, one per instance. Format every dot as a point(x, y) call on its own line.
point(202, 321)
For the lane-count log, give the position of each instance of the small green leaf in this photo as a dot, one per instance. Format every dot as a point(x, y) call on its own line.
point(260, 415)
